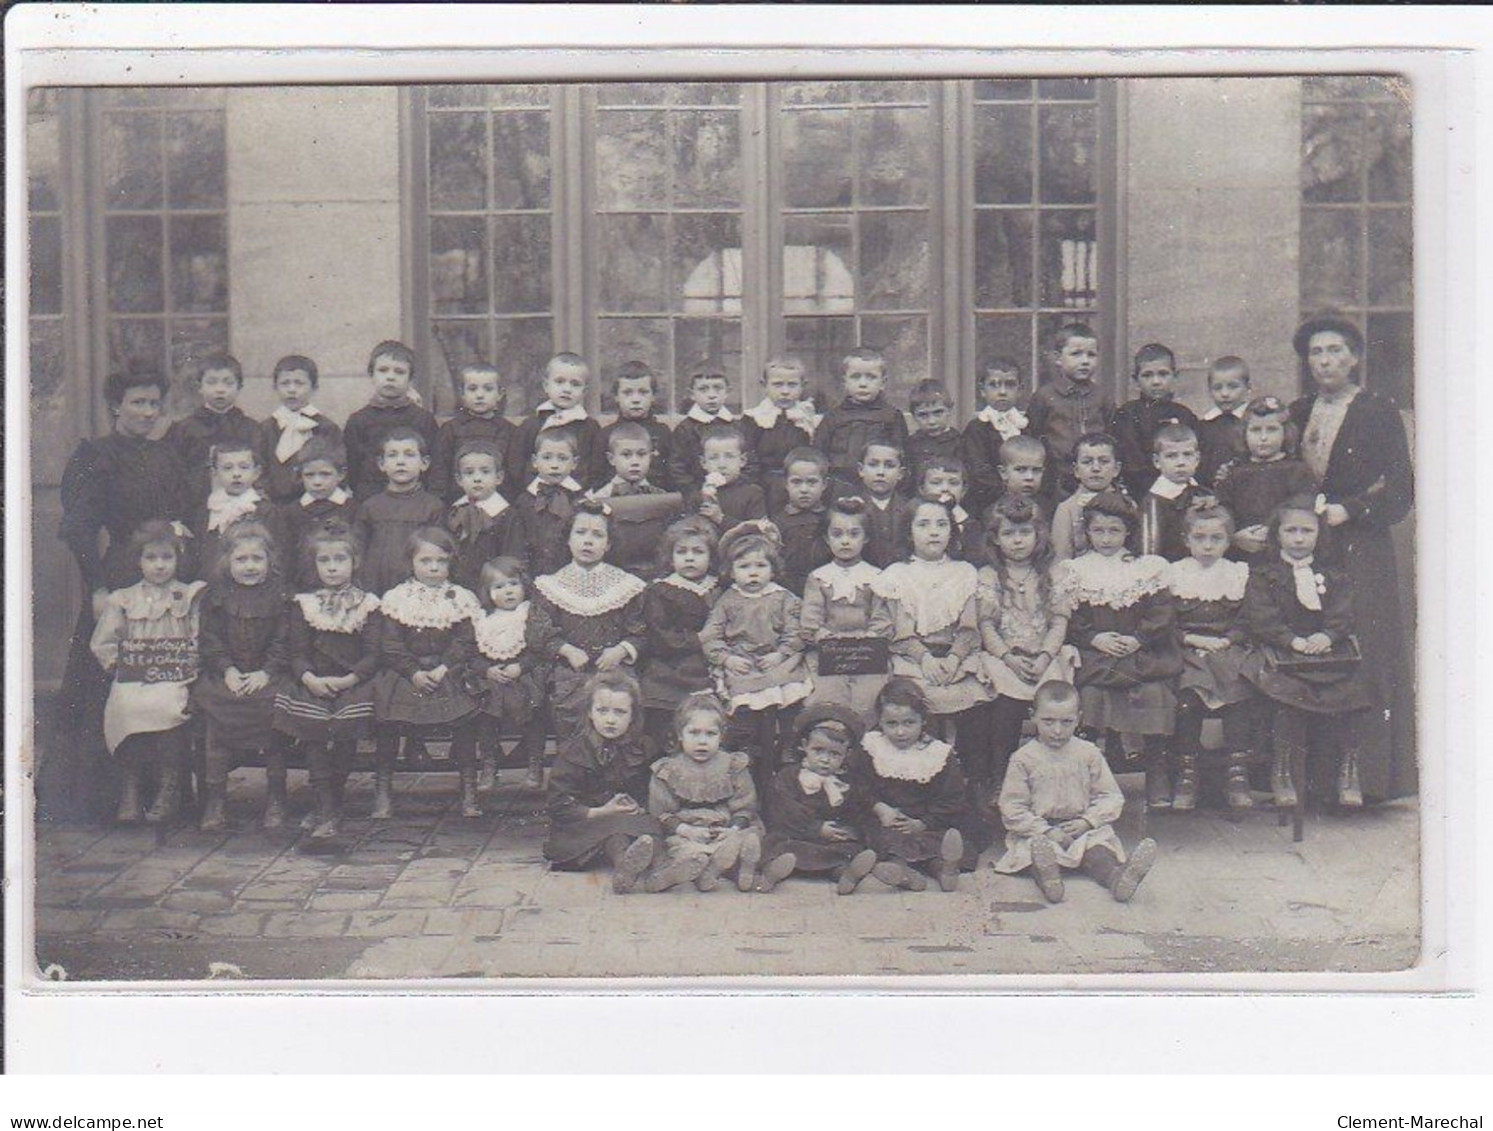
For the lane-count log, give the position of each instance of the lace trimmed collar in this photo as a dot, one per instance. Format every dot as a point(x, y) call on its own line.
point(700, 416)
point(703, 588)
point(766, 415)
point(702, 783)
point(921, 764)
point(223, 509)
point(1222, 581)
point(344, 610)
point(500, 633)
point(492, 506)
point(936, 593)
point(845, 583)
point(417, 605)
point(144, 601)
point(1117, 582)
point(1008, 422)
point(603, 588)
point(337, 498)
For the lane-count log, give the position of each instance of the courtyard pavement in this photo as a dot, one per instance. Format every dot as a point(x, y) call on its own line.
point(430, 895)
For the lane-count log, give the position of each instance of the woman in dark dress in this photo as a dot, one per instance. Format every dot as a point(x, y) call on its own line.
point(1354, 443)
point(111, 485)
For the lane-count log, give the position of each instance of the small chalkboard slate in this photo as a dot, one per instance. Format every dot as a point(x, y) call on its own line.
point(853, 655)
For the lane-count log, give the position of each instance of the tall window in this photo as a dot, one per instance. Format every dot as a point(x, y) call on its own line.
point(1036, 198)
point(1356, 238)
point(163, 180)
point(46, 194)
point(859, 164)
point(491, 189)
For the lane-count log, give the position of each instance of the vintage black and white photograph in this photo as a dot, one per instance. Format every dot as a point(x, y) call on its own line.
point(879, 526)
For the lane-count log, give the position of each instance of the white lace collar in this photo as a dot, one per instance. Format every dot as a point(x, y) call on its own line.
point(1237, 413)
point(1222, 581)
point(700, 416)
point(223, 509)
point(568, 483)
point(1008, 422)
point(500, 632)
point(604, 588)
point(558, 417)
point(766, 414)
point(144, 601)
point(1117, 581)
point(921, 764)
point(417, 605)
point(766, 591)
point(338, 497)
point(702, 588)
point(492, 506)
point(845, 583)
point(936, 593)
point(337, 610)
point(1164, 488)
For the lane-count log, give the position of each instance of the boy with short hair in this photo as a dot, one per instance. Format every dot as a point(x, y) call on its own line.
point(862, 416)
point(708, 392)
point(1221, 429)
point(1072, 403)
point(566, 376)
point(1137, 421)
point(880, 472)
point(323, 505)
point(1175, 456)
point(391, 370)
point(540, 534)
point(726, 496)
point(481, 519)
point(293, 423)
point(945, 477)
point(781, 422)
point(936, 437)
point(386, 520)
point(636, 393)
point(234, 497)
point(479, 416)
point(1097, 468)
point(1023, 471)
point(802, 517)
point(217, 421)
point(998, 420)
point(638, 536)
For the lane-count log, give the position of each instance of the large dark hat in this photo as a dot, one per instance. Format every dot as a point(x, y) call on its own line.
point(1323, 323)
point(837, 714)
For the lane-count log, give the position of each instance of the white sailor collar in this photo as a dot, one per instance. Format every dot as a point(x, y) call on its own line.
point(1215, 412)
point(338, 497)
point(700, 416)
point(568, 483)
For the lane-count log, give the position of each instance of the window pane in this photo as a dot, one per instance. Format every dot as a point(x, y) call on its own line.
point(1002, 90)
point(896, 155)
point(195, 162)
point(1008, 337)
point(816, 264)
point(707, 159)
point(521, 346)
point(469, 94)
point(815, 93)
point(1003, 259)
point(915, 92)
point(822, 344)
point(1390, 169)
point(708, 345)
point(632, 259)
point(458, 265)
point(1003, 155)
point(1390, 365)
point(205, 97)
point(632, 160)
point(134, 264)
point(1069, 141)
point(904, 341)
point(1070, 259)
point(816, 159)
point(43, 150)
point(192, 339)
point(199, 264)
point(518, 94)
point(46, 265)
point(1329, 258)
point(707, 94)
point(1391, 247)
point(620, 340)
point(1331, 153)
point(521, 160)
point(137, 344)
point(521, 264)
point(668, 94)
point(47, 357)
point(132, 161)
point(1068, 89)
point(458, 161)
point(896, 260)
point(458, 343)
point(707, 264)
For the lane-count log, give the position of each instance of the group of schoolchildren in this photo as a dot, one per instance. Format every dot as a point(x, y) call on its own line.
point(662, 601)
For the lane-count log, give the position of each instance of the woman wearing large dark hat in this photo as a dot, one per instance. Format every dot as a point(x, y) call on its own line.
point(1353, 440)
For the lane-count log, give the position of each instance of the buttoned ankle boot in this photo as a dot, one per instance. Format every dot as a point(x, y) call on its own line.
point(274, 798)
point(1349, 793)
point(129, 797)
point(1236, 787)
point(1281, 784)
point(168, 793)
point(1186, 797)
point(1158, 781)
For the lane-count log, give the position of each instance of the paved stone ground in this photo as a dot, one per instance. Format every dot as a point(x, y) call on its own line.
point(430, 895)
